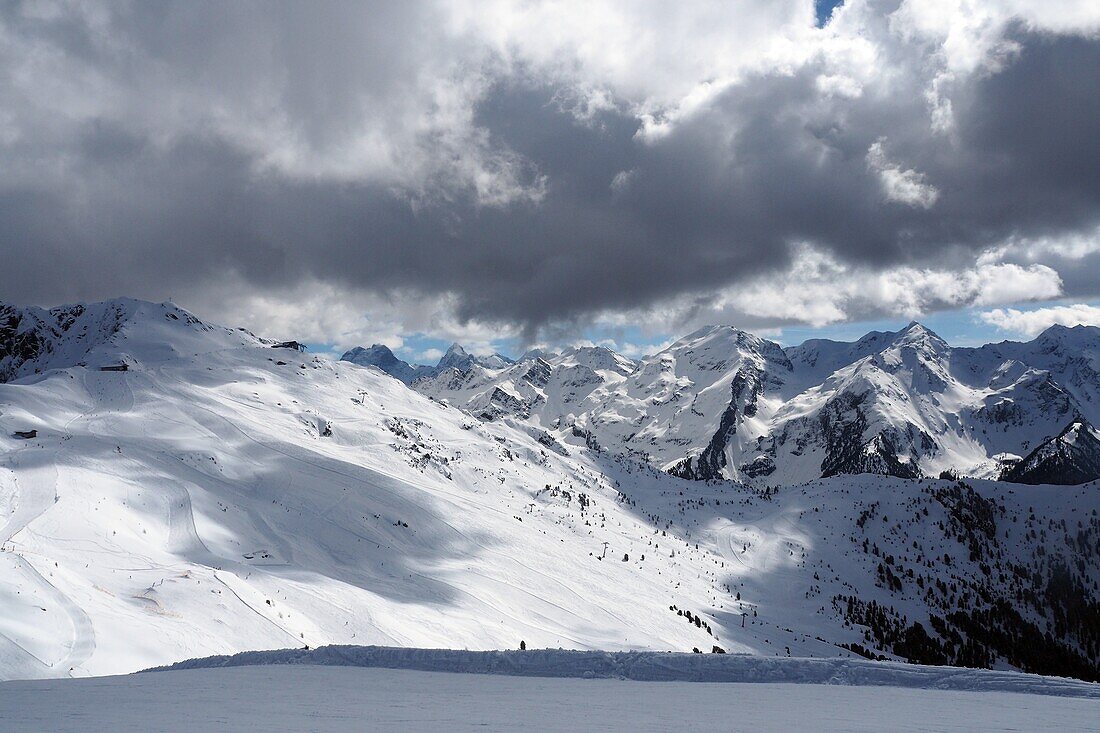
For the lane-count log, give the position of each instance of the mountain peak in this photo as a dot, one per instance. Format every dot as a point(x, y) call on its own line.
point(379, 349)
point(1059, 332)
point(917, 333)
point(460, 359)
point(455, 358)
point(538, 353)
point(714, 329)
point(373, 354)
point(1077, 425)
point(1072, 457)
point(599, 358)
point(381, 357)
point(916, 328)
point(722, 333)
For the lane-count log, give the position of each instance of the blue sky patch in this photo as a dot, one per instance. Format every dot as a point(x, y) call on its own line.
point(824, 8)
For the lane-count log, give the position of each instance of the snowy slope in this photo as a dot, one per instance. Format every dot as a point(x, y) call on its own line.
point(35, 340)
point(224, 495)
point(1071, 457)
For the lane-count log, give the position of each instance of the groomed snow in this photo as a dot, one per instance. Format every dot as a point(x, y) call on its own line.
point(346, 699)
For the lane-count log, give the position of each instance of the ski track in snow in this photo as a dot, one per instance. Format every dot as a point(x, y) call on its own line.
point(768, 540)
point(83, 644)
point(35, 495)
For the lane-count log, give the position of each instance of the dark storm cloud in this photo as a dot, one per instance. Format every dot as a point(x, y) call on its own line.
point(721, 198)
point(1031, 135)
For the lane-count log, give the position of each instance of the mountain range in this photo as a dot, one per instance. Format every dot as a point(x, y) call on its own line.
point(721, 403)
point(171, 488)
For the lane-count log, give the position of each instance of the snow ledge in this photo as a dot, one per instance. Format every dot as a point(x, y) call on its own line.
point(659, 667)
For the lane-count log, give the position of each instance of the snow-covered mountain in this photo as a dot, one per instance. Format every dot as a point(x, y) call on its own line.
point(705, 397)
point(1071, 457)
point(910, 405)
point(226, 493)
point(456, 358)
point(722, 403)
point(380, 356)
point(35, 340)
point(547, 390)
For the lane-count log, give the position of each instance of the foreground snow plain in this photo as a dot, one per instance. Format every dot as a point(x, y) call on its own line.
point(272, 699)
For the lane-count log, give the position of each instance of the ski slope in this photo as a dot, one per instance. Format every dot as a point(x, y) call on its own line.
point(194, 504)
point(224, 495)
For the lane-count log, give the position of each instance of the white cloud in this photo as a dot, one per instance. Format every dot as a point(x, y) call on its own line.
point(429, 356)
point(622, 180)
point(365, 94)
point(323, 313)
point(970, 34)
point(838, 85)
point(390, 94)
point(653, 54)
point(664, 61)
point(402, 109)
point(1012, 283)
point(313, 313)
point(1072, 246)
point(904, 186)
point(966, 37)
point(1030, 323)
point(819, 290)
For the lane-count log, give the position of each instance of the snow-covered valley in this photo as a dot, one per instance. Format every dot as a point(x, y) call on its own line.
point(223, 493)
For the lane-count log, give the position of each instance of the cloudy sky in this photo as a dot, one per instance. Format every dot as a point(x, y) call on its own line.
point(504, 173)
